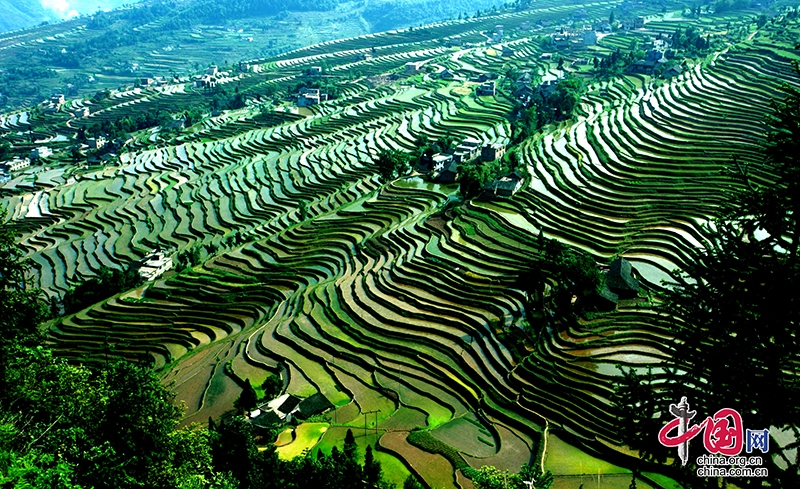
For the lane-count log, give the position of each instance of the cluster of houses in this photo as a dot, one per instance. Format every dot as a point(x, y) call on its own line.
point(656, 58)
point(210, 77)
point(567, 38)
point(53, 105)
point(286, 408)
point(444, 167)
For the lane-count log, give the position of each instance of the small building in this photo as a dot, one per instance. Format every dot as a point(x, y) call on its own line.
point(265, 420)
point(504, 187)
point(620, 279)
point(57, 100)
point(4, 177)
point(413, 67)
point(603, 27)
point(145, 82)
point(485, 89)
point(525, 26)
point(41, 152)
point(497, 36)
point(310, 96)
point(455, 41)
point(311, 406)
point(315, 70)
point(589, 38)
point(81, 113)
point(643, 67)
point(212, 70)
point(494, 151)
point(560, 41)
point(446, 75)
point(15, 165)
point(548, 87)
point(672, 71)
point(508, 52)
point(96, 143)
point(154, 264)
point(638, 22)
point(448, 174)
point(439, 160)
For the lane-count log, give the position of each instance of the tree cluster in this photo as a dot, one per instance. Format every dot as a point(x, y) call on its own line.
point(128, 124)
point(392, 163)
point(108, 283)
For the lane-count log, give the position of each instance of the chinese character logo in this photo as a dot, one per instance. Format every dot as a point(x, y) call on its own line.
point(722, 433)
point(757, 439)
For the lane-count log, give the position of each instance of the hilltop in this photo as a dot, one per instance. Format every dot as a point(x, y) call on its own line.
point(154, 37)
point(422, 225)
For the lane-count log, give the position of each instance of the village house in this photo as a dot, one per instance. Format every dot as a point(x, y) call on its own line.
point(15, 165)
point(497, 36)
point(560, 41)
point(154, 264)
point(448, 173)
point(643, 67)
point(285, 408)
point(310, 96)
point(503, 187)
point(212, 70)
point(455, 41)
point(414, 67)
point(507, 52)
point(446, 75)
point(548, 86)
point(96, 143)
point(485, 89)
point(620, 279)
point(41, 152)
point(603, 27)
point(315, 70)
point(493, 151)
point(589, 38)
point(672, 71)
point(81, 113)
point(439, 160)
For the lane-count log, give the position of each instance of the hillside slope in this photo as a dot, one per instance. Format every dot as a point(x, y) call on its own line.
point(18, 14)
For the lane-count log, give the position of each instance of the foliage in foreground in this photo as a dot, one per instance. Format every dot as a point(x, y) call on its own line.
point(735, 317)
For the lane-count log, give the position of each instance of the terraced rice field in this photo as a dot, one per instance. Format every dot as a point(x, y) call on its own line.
point(376, 298)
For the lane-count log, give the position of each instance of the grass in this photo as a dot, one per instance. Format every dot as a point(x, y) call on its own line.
point(306, 436)
point(562, 458)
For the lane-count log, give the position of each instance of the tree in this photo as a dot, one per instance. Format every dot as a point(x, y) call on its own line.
point(372, 468)
point(234, 451)
point(22, 307)
point(272, 386)
point(474, 177)
point(392, 163)
point(489, 477)
point(248, 399)
point(411, 482)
